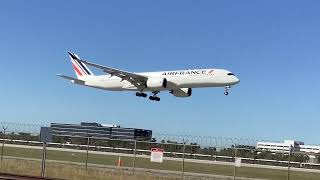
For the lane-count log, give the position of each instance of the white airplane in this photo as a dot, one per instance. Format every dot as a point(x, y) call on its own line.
point(179, 83)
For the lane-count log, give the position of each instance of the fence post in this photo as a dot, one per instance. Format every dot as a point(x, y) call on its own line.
point(44, 156)
point(288, 177)
point(87, 157)
point(183, 156)
point(2, 149)
point(4, 135)
point(254, 156)
point(235, 167)
point(134, 156)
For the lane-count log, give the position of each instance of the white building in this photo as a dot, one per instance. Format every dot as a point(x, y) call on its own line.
point(292, 145)
point(310, 149)
point(285, 147)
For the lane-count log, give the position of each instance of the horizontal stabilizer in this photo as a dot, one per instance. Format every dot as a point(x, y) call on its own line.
point(73, 80)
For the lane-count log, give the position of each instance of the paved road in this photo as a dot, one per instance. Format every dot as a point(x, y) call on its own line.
point(168, 158)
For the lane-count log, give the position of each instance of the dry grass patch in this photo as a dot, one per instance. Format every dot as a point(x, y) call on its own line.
point(69, 171)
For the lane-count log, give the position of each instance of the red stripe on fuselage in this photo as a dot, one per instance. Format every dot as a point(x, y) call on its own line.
point(76, 69)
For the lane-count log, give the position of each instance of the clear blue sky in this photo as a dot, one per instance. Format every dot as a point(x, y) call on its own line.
point(273, 46)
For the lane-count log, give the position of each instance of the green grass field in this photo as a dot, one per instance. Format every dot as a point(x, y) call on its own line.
point(166, 165)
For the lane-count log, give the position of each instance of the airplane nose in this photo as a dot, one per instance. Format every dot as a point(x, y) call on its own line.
point(237, 80)
point(232, 79)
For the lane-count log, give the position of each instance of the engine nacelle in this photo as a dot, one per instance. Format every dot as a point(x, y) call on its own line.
point(157, 83)
point(182, 92)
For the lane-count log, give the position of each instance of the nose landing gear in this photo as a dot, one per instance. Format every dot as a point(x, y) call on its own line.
point(226, 91)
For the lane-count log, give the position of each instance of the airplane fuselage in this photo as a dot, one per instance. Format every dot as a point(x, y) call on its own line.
point(179, 83)
point(195, 78)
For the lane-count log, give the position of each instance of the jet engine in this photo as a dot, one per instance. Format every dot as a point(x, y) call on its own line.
point(182, 92)
point(157, 82)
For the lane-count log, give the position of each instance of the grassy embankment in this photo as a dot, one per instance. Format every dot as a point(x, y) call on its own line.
point(74, 172)
point(145, 163)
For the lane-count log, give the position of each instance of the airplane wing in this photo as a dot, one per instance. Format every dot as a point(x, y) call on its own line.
point(136, 79)
point(74, 80)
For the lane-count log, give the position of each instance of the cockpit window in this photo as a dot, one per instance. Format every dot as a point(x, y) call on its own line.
point(230, 74)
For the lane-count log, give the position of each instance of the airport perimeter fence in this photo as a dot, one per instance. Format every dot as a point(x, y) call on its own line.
point(188, 157)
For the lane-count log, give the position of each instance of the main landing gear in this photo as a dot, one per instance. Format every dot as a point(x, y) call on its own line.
point(226, 91)
point(154, 97)
point(141, 94)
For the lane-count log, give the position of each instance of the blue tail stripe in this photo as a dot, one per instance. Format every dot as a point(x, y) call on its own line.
point(88, 72)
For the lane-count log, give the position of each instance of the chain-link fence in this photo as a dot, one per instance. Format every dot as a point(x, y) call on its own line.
point(186, 157)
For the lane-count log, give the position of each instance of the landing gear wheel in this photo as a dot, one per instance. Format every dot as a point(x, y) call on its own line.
point(154, 97)
point(141, 94)
point(226, 91)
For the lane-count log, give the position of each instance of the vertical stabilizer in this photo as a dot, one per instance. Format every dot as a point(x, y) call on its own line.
point(80, 68)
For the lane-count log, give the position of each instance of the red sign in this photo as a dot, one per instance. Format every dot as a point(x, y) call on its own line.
point(156, 155)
